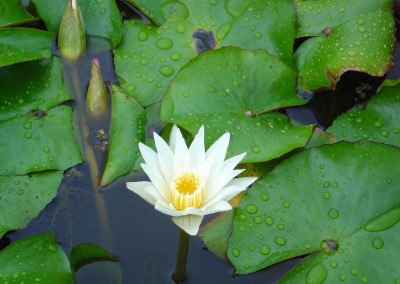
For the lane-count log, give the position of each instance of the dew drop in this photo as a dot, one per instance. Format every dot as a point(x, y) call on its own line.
point(251, 209)
point(377, 243)
point(28, 125)
point(20, 191)
point(235, 252)
point(242, 228)
point(164, 43)
point(280, 241)
point(265, 197)
point(175, 56)
point(28, 135)
point(265, 249)
point(333, 213)
point(256, 149)
point(269, 221)
point(52, 248)
point(46, 149)
point(143, 36)
point(167, 70)
point(316, 274)
point(103, 10)
point(352, 53)
point(385, 133)
point(180, 29)
point(286, 204)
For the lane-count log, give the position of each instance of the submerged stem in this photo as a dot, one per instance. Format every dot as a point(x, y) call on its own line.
point(181, 258)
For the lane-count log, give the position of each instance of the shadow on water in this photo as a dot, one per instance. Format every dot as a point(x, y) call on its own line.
point(144, 240)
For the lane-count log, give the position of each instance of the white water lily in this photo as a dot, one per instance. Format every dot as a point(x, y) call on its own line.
point(188, 183)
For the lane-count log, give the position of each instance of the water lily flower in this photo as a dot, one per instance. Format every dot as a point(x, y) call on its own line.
point(188, 183)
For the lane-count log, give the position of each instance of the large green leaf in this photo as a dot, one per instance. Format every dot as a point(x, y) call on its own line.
point(23, 197)
point(31, 86)
point(226, 91)
point(338, 204)
point(35, 143)
point(23, 44)
point(157, 10)
point(13, 13)
point(379, 121)
point(33, 260)
point(345, 35)
point(101, 18)
point(128, 120)
point(149, 56)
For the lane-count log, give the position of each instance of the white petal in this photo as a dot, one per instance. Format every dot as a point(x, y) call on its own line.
point(181, 153)
point(189, 223)
point(218, 207)
point(197, 150)
point(217, 151)
point(145, 190)
point(157, 179)
point(170, 210)
point(165, 158)
point(214, 186)
point(172, 137)
point(231, 190)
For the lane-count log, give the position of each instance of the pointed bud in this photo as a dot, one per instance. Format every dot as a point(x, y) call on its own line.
point(71, 34)
point(96, 96)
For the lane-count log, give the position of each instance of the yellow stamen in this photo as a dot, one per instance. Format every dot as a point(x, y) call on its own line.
point(186, 191)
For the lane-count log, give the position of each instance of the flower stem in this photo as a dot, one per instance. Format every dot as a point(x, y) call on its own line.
point(183, 249)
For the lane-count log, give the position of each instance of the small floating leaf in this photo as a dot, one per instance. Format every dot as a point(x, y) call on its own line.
point(86, 253)
point(13, 13)
point(235, 97)
point(23, 44)
point(30, 143)
point(126, 130)
point(149, 56)
point(379, 121)
point(345, 35)
point(31, 86)
point(319, 203)
point(23, 197)
point(35, 259)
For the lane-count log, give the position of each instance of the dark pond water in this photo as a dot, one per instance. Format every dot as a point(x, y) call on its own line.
point(144, 240)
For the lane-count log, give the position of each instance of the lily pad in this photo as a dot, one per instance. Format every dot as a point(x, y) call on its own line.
point(24, 44)
point(32, 142)
point(35, 259)
point(337, 204)
point(226, 91)
point(23, 197)
point(31, 86)
point(13, 13)
point(157, 10)
point(149, 56)
point(101, 18)
point(86, 253)
point(345, 35)
point(379, 121)
point(128, 120)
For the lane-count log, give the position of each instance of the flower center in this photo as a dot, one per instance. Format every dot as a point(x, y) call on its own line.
point(186, 191)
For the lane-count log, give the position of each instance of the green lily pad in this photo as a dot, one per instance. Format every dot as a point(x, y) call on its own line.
point(31, 86)
point(23, 197)
point(127, 129)
point(379, 121)
point(234, 96)
point(13, 13)
point(156, 10)
point(86, 253)
point(345, 35)
point(34, 143)
point(149, 56)
point(23, 44)
point(100, 18)
point(338, 204)
point(35, 259)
